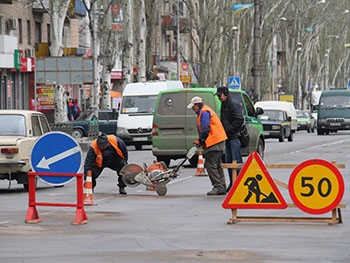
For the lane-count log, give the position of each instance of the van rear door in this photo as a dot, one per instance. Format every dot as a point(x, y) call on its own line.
point(174, 125)
point(170, 121)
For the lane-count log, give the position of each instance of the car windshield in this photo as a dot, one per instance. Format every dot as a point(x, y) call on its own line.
point(138, 104)
point(12, 125)
point(335, 102)
point(85, 115)
point(302, 114)
point(272, 115)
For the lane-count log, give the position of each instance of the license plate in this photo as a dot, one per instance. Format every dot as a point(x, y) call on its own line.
point(137, 139)
point(334, 124)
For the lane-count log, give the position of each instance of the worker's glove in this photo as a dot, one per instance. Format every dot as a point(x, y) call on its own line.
point(197, 143)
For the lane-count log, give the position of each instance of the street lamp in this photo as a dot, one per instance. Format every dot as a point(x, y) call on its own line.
point(346, 79)
point(299, 49)
point(300, 14)
point(274, 55)
point(234, 32)
point(178, 40)
point(327, 54)
point(326, 69)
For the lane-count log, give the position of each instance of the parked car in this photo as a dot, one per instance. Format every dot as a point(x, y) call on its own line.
point(175, 126)
point(306, 122)
point(107, 122)
point(276, 124)
point(19, 130)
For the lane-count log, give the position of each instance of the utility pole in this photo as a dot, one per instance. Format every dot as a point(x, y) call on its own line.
point(300, 93)
point(257, 52)
point(234, 40)
point(178, 39)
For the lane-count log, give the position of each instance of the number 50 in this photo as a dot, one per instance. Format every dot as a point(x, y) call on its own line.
point(307, 183)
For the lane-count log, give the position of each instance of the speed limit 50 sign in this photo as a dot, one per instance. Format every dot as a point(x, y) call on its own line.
point(316, 186)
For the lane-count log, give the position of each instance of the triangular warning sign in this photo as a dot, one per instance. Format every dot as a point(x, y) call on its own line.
point(254, 188)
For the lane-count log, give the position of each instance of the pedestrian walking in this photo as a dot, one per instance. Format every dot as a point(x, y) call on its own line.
point(212, 139)
point(232, 119)
point(107, 151)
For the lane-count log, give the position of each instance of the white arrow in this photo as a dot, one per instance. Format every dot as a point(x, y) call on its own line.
point(45, 163)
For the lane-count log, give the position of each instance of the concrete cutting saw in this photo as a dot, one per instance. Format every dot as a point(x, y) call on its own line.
point(156, 175)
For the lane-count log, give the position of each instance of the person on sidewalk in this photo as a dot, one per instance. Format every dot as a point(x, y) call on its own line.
point(232, 119)
point(106, 151)
point(212, 139)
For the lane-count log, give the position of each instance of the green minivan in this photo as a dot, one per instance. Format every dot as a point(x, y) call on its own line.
point(175, 126)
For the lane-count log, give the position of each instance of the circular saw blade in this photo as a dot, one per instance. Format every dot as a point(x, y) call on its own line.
point(128, 173)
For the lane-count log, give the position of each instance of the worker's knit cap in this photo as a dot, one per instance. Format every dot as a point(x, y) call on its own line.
point(102, 140)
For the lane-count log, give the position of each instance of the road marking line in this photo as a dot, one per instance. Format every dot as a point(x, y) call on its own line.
point(319, 146)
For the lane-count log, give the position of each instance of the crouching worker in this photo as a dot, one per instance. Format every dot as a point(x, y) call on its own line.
point(106, 151)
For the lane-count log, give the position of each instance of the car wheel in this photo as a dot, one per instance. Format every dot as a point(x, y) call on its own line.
point(77, 134)
point(166, 160)
point(320, 132)
point(26, 186)
point(194, 161)
point(260, 148)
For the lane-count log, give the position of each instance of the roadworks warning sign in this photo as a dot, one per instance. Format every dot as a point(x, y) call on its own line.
point(254, 188)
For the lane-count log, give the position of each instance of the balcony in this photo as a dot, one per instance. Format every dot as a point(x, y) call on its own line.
point(76, 7)
point(170, 23)
point(6, 2)
point(37, 7)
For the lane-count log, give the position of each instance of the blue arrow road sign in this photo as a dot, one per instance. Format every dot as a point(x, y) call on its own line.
point(234, 82)
point(56, 152)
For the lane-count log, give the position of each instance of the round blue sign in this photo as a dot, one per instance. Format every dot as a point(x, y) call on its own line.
point(56, 152)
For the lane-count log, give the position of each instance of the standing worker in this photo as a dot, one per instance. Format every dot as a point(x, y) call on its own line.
point(106, 151)
point(232, 119)
point(212, 139)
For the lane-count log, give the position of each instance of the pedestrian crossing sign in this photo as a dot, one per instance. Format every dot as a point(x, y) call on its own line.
point(254, 188)
point(234, 82)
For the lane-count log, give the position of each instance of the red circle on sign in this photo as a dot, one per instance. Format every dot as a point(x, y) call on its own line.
point(322, 201)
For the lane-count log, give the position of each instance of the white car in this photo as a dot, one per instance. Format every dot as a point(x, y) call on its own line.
point(19, 130)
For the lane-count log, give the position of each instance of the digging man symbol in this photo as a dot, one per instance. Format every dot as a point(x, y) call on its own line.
point(253, 188)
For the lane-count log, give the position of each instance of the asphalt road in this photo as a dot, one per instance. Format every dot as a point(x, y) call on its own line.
point(186, 225)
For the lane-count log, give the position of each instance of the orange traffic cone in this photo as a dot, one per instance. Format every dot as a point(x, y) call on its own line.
point(88, 198)
point(200, 166)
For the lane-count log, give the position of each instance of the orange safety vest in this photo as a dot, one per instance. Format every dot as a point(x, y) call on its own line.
point(112, 141)
point(216, 132)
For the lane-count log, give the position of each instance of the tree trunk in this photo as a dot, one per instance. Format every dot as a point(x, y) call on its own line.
point(61, 106)
point(141, 47)
point(58, 13)
point(128, 47)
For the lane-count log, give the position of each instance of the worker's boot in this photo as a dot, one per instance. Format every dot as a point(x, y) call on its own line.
point(122, 191)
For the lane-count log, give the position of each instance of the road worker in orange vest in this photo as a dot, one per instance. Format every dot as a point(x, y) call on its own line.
point(107, 151)
point(212, 138)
